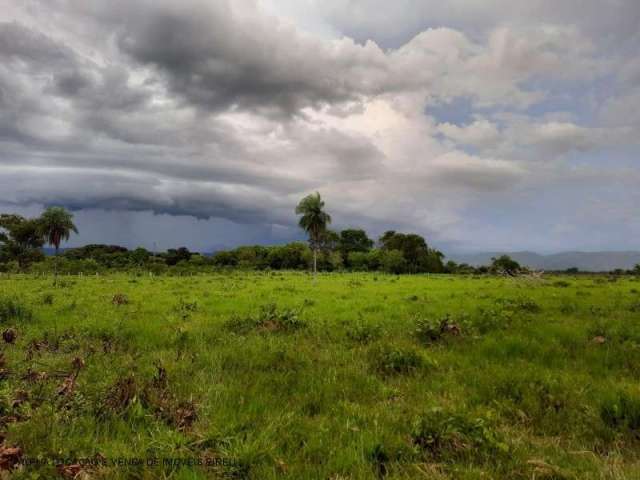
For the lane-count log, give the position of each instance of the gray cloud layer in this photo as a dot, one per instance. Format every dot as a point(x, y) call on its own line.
point(230, 111)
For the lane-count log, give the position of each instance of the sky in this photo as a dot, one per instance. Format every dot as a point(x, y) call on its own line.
point(479, 124)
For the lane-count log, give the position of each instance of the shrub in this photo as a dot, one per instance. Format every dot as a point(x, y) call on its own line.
point(391, 360)
point(269, 319)
point(363, 333)
point(432, 330)
point(12, 309)
point(444, 435)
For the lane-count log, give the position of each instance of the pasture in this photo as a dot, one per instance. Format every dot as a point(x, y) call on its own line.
point(358, 376)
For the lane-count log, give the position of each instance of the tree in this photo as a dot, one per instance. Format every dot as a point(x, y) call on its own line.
point(636, 269)
point(393, 261)
point(419, 257)
point(354, 240)
point(329, 241)
point(140, 256)
point(56, 225)
point(173, 256)
point(20, 240)
point(505, 264)
point(314, 221)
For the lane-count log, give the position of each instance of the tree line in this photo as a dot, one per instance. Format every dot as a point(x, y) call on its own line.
point(22, 241)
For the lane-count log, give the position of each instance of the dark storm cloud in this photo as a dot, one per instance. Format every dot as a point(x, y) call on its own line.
point(217, 58)
point(216, 109)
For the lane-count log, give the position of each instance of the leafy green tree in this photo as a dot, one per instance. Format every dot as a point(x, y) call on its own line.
point(314, 221)
point(505, 264)
point(417, 254)
point(173, 256)
point(636, 270)
point(335, 260)
point(358, 260)
point(354, 240)
point(20, 240)
point(451, 267)
point(140, 256)
point(329, 241)
point(393, 261)
point(56, 225)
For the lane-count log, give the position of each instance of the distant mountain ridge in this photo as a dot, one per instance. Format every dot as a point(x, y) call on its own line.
point(585, 261)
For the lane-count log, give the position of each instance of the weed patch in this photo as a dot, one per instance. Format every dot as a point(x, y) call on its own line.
point(393, 360)
point(432, 330)
point(445, 435)
point(268, 319)
point(12, 309)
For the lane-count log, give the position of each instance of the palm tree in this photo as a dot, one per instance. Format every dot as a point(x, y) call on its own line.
point(314, 221)
point(56, 225)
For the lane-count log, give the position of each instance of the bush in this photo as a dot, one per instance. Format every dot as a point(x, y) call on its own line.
point(269, 319)
point(363, 333)
point(12, 309)
point(442, 435)
point(391, 360)
point(432, 330)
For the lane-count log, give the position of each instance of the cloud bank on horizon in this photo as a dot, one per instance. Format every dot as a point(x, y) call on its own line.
point(481, 125)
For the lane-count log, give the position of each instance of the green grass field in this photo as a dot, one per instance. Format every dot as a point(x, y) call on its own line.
point(264, 375)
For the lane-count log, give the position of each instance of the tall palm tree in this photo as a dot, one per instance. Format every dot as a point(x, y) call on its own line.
point(314, 221)
point(56, 225)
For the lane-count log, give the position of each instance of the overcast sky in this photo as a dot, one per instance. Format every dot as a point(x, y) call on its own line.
point(480, 124)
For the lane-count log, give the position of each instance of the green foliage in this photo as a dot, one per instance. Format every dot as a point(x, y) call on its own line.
point(393, 261)
point(429, 330)
point(444, 435)
point(418, 257)
point(12, 309)
point(56, 225)
point(505, 265)
point(621, 411)
point(392, 360)
point(20, 240)
point(354, 241)
point(364, 333)
point(268, 319)
point(314, 219)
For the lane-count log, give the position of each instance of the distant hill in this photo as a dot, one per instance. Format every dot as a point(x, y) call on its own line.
point(585, 261)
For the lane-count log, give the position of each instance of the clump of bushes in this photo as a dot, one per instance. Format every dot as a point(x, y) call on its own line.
point(268, 319)
point(445, 435)
point(12, 309)
point(393, 360)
